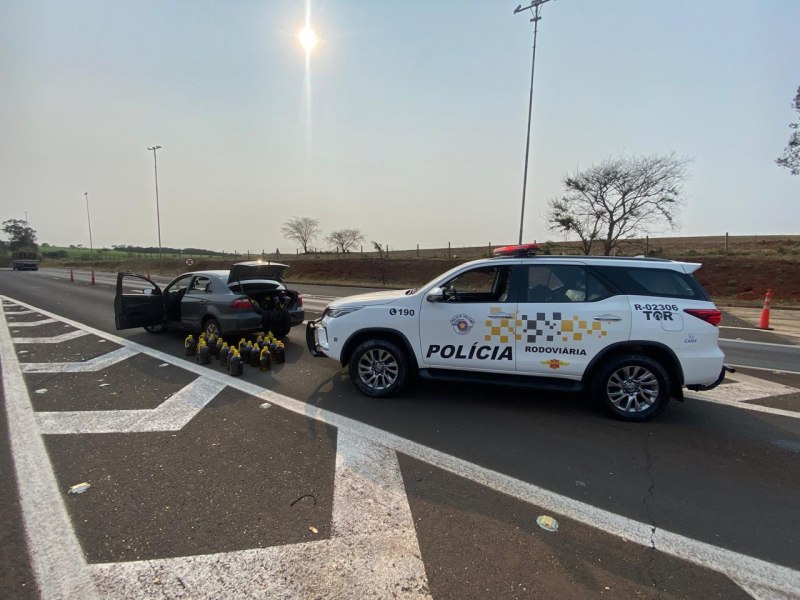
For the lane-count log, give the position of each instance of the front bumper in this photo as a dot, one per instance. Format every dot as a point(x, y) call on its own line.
point(311, 339)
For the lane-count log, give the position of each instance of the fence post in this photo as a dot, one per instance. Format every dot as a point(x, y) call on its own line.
point(417, 250)
point(726, 243)
point(647, 245)
point(448, 250)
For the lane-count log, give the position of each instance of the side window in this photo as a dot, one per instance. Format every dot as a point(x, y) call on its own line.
point(654, 282)
point(484, 284)
point(180, 285)
point(564, 283)
point(200, 284)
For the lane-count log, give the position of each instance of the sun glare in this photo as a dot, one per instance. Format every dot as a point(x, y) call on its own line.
point(308, 39)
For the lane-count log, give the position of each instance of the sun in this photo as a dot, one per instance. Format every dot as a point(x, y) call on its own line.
point(308, 39)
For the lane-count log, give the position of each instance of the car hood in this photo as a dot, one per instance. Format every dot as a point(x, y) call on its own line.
point(369, 299)
point(256, 269)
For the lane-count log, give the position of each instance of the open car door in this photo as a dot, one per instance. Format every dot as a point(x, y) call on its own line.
point(137, 303)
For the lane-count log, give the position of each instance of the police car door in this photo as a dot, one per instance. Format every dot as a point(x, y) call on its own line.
point(567, 318)
point(471, 325)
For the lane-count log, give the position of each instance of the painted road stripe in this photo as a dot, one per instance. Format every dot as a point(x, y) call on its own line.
point(373, 550)
point(775, 371)
point(32, 323)
point(97, 363)
point(56, 556)
point(776, 581)
point(64, 337)
point(171, 415)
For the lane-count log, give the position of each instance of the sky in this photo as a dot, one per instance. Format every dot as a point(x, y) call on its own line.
point(408, 120)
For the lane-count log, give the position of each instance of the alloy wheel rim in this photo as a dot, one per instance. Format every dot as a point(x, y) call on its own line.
point(378, 369)
point(632, 389)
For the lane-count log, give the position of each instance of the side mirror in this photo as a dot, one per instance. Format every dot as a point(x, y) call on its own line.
point(435, 295)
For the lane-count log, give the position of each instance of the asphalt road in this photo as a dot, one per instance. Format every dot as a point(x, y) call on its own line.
point(715, 472)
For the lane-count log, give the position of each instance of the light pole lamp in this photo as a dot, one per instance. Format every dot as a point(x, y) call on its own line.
point(534, 7)
point(158, 210)
point(89, 219)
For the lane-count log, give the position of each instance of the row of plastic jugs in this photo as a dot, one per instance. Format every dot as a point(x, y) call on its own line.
point(260, 355)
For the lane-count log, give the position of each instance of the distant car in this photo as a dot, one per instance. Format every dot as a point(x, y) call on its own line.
point(25, 261)
point(248, 298)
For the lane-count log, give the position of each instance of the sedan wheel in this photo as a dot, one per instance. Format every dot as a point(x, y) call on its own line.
point(212, 327)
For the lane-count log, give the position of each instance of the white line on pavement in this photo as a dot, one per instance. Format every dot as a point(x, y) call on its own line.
point(56, 555)
point(780, 581)
point(776, 371)
point(98, 363)
point(373, 550)
point(32, 323)
point(170, 415)
point(64, 337)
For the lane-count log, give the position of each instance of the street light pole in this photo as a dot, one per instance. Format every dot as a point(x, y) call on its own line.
point(89, 219)
point(158, 211)
point(534, 7)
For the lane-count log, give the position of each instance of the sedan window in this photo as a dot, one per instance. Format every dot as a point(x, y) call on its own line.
point(200, 285)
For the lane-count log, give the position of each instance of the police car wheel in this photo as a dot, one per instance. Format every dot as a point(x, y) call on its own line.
point(632, 387)
point(378, 368)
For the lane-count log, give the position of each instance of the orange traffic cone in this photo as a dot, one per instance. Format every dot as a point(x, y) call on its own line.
point(93, 281)
point(765, 311)
point(71, 277)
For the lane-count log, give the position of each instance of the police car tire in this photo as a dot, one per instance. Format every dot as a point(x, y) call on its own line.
point(395, 368)
point(645, 371)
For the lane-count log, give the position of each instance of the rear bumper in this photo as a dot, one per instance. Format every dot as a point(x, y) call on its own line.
point(705, 388)
point(297, 317)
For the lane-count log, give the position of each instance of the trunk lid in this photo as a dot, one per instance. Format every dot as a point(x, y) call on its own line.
point(257, 269)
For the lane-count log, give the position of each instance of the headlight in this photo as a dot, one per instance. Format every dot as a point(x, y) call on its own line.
point(338, 312)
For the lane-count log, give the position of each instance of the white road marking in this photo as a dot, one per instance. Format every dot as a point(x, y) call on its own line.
point(769, 579)
point(730, 341)
point(24, 311)
point(64, 337)
point(747, 388)
point(97, 363)
point(56, 556)
point(776, 371)
point(171, 415)
point(33, 323)
point(372, 552)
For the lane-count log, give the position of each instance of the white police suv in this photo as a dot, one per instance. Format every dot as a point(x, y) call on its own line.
point(631, 331)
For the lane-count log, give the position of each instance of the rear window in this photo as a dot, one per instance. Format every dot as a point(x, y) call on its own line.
point(636, 281)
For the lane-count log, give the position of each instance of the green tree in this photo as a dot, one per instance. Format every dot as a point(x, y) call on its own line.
point(791, 154)
point(619, 199)
point(20, 234)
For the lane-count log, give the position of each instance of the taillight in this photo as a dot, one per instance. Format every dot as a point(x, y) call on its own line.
point(709, 315)
point(299, 301)
point(241, 303)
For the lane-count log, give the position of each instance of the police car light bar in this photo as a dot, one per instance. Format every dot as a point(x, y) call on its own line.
point(520, 250)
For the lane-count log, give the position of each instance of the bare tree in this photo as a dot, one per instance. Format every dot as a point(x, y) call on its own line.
point(344, 239)
point(302, 230)
point(619, 199)
point(791, 154)
point(378, 248)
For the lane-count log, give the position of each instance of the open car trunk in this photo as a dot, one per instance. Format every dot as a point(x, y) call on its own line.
point(272, 302)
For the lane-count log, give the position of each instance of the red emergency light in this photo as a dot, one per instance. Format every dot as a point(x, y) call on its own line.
point(521, 250)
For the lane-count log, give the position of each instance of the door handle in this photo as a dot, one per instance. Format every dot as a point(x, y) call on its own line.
point(608, 318)
point(501, 316)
